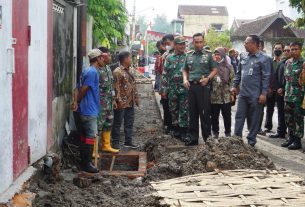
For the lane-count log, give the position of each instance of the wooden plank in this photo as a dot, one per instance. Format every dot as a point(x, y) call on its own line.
point(112, 163)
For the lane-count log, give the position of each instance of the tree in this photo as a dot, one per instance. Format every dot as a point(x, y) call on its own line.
point(161, 24)
point(215, 39)
point(142, 22)
point(300, 6)
point(110, 18)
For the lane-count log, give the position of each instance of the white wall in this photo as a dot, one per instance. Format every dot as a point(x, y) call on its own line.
point(6, 134)
point(239, 46)
point(37, 88)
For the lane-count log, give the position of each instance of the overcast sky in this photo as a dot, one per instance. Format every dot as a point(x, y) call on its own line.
point(240, 9)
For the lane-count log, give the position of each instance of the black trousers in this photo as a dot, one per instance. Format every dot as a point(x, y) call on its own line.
point(281, 128)
point(199, 106)
point(226, 114)
point(270, 110)
point(166, 113)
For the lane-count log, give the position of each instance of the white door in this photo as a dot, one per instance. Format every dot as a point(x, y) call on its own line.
point(37, 85)
point(6, 70)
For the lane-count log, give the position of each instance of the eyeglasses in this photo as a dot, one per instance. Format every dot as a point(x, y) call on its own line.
point(286, 50)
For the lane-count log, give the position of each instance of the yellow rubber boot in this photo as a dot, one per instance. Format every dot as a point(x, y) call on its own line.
point(106, 147)
point(95, 146)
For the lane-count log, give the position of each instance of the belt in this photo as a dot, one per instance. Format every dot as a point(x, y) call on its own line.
point(195, 82)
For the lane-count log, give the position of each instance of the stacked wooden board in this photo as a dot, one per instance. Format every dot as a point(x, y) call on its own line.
point(233, 188)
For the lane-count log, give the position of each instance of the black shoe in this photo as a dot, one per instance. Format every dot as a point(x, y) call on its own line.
point(116, 146)
point(295, 145)
point(252, 145)
point(131, 145)
point(261, 132)
point(276, 136)
point(90, 168)
point(288, 142)
point(177, 133)
point(190, 142)
point(169, 131)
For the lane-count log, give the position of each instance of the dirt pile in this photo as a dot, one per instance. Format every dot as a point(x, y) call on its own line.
point(223, 154)
point(105, 191)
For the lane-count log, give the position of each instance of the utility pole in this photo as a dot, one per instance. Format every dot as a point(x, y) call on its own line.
point(133, 34)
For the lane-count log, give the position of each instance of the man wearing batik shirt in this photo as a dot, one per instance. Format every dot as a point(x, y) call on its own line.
point(294, 94)
point(125, 98)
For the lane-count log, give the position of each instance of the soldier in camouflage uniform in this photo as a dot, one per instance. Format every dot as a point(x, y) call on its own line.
point(168, 40)
point(105, 117)
point(173, 86)
point(294, 94)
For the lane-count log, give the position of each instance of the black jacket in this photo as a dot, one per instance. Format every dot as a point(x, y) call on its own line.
point(279, 75)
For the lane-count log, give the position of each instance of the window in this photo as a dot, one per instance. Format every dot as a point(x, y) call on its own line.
point(217, 27)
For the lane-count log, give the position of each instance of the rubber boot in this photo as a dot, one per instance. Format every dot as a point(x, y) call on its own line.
point(106, 147)
point(288, 142)
point(296, 144)
point(87, 164)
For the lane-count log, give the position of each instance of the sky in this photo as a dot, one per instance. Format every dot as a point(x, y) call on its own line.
point(239, 9)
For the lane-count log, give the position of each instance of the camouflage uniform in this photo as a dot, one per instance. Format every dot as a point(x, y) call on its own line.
point(173, 86)
point(294, 94)
point(105, 117)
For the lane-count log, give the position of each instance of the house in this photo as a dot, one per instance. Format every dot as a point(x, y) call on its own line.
point(271, 28)
point(199, 18)
point(43, 47)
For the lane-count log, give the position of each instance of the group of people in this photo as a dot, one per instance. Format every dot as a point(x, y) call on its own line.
point(195, 83)
point(102, 100)
point(199, 83)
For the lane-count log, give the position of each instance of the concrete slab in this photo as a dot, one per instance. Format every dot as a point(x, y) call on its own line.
point(17, 186)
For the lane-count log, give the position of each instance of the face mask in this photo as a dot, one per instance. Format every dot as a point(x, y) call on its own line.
point(169, 47)
point(278, 52)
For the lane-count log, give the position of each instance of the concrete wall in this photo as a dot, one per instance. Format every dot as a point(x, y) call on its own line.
point(6, 146)
point(201, 23)
point(38, 79)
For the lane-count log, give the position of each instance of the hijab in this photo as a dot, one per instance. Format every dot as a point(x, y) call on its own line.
point(223, 66)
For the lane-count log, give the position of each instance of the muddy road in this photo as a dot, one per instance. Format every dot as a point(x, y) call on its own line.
point(167, 158)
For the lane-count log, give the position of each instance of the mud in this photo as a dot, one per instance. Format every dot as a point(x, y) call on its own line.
point(221, 154)
point(164, 161)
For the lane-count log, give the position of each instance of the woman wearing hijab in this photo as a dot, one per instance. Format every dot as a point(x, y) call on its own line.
point(221, 94)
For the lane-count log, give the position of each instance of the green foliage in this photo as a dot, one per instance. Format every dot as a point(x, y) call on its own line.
point(215, 39)
point(161, 24)
point(151, 48)
point(110, 18)
point(300, 6)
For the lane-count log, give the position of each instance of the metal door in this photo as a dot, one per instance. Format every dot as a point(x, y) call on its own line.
point(20, 32)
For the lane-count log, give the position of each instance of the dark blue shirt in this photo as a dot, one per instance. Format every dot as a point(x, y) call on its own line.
point(89, 105)
point(253, 75)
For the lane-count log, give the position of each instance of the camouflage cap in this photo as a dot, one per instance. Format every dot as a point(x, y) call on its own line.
point(179, 40)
